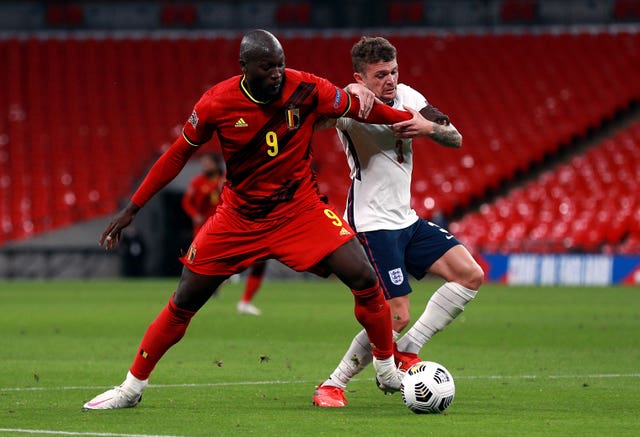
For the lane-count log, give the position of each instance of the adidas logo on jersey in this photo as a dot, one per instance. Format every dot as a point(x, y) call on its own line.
point(241, 123)
point(344, 231)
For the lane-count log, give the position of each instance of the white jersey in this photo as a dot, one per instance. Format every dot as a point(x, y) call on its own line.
point(381, 166)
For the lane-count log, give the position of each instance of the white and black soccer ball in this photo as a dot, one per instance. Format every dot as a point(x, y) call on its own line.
point(427, 388)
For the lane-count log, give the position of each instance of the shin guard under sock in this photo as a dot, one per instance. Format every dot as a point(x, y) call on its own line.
point(374, 314)
point(165, 331)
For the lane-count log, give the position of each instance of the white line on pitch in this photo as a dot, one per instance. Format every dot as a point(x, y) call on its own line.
point(228, 384)
point(98, 434)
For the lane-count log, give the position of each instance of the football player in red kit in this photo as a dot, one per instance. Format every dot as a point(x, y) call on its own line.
point(270, 207)
point(202, 196)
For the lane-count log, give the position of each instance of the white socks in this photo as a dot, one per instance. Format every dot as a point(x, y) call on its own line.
point(134, 385)
point(445, 305)
point(357, 357)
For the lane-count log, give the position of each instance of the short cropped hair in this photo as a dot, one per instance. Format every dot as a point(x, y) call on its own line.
point(370, 50)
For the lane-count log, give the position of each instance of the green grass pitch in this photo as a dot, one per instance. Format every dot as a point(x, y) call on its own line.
point(526, 361)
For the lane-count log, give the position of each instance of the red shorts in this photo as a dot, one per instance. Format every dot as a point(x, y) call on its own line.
point(229, 243)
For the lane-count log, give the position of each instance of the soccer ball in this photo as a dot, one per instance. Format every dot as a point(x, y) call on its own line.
point(427, 387)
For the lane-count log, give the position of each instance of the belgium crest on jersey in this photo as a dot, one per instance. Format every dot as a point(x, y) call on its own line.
point(191, 254)
point(293, 118)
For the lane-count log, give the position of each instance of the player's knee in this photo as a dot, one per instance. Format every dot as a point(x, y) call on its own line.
point(362, 277)
point(194, 290)
point(470, 276)
point(366, 280)
point(474, 278)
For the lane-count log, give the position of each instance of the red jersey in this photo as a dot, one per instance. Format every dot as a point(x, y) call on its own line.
point(266, 145)
point(202, 196)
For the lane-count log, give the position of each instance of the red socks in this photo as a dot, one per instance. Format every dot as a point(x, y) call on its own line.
point(253, 281)
point(165, 331)
point(374, 314)
point(371, 310)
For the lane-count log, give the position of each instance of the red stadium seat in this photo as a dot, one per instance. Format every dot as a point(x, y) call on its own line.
point(517, 11)
point(290, 13)
point(626, 9)
point(65, 15)
point(178, 14)
point(405, 12)
point(589, 204)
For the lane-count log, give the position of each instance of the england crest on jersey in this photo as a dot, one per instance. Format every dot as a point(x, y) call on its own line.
point(396, 276)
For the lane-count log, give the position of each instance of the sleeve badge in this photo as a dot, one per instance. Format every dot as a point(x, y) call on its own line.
point(193, 119)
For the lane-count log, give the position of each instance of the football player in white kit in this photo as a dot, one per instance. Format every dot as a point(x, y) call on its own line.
point(397, 241)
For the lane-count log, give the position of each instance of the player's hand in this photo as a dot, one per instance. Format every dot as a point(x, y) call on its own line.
point(111, 235)
point(415, 127)
point(432, 113)
point(365, 95)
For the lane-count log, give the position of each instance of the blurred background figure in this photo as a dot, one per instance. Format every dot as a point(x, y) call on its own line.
point(203, 193)
point(200, 201)
point(254, 280)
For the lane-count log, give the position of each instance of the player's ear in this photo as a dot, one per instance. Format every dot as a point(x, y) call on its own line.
point(358, 77)
point(243, 66)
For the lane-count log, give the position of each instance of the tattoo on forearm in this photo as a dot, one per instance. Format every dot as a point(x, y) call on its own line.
point(446, 135)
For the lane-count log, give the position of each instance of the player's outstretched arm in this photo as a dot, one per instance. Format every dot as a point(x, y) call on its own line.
point(365, 97)
point(165, 169)
point(418, 126)
point(359, 92)
point(379, 114)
